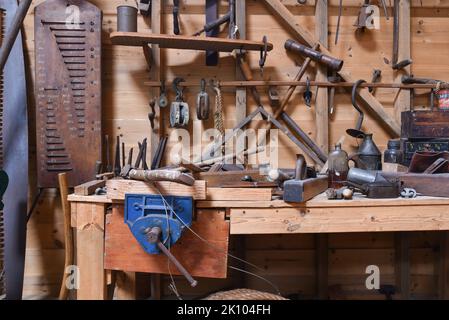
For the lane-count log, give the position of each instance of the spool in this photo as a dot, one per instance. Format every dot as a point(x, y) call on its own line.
point(126, 18)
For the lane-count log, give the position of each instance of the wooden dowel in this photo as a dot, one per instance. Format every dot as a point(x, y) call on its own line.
point(68, 236)
point(230, 84)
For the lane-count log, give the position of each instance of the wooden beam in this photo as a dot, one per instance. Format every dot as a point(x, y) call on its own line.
point(89, 226)
point(339, 219)
point(137, 39)
point(117, 188)
point(322, 99)
point(155, 73)
point(443, 274)
point(88, 188)
point(402, 264)
point(322, 265)
point(236, 194)
point(402, 102)
point(369, 102)
point(240, 94)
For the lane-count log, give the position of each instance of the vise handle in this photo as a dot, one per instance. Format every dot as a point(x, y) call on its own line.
point(154, 236)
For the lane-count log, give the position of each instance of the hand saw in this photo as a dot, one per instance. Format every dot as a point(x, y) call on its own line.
point(14, 146)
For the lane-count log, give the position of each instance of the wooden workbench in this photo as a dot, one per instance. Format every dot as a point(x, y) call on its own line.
point(261, 217)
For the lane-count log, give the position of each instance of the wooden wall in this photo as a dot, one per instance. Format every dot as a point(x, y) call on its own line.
point(289, 261)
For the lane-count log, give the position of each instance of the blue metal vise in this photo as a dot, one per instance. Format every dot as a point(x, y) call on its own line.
point(146, 212)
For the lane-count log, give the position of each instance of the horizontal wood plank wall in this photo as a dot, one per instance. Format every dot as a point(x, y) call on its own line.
point(287, 260)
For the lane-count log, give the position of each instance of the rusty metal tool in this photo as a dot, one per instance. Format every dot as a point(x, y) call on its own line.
point(337, 32)
point(179, 110)
point(108, 154)
point(308, 94)
point(123, 155)
point(397, 65)
point(117, 167)
point(157, 160)
point(13, 144)
point(163, 100)
point(364, 14)
point(68, 91)
point(202, 102)
point(377, 73)
point(139, 156)
point(152, 113)
point(144, 154)
point(130, 157)
point(176, 29)
point(331, 62)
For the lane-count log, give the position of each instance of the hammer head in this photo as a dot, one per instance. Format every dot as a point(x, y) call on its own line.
point(126, 170)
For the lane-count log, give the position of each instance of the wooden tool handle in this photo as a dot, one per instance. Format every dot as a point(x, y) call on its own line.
point(68, 236)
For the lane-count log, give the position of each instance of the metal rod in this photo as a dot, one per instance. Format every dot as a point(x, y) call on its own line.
point(14, 29)
point(278, 83)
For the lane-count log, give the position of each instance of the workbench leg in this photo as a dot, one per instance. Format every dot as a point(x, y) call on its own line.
point(443, 277)
point(322, 266)
point(88, 220)
point(402, 264)
point(156, 291)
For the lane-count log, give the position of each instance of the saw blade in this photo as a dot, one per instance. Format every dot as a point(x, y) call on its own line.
point(2, 222)
point(15, 158)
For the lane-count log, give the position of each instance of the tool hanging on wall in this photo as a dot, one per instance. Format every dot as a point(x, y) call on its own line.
point(397, 65)
point(13, 145)
point(68, 92)
point(263, 56)
point(331, 62)
point(179, 111)
point(337, 32)
point(308, 94)
point(375, 78)
point(176, 29)
point(159, 154)
point(163, 99)
point(145, 7)
point(357, 132)
point(212, 7)
point(202, 102)
point(152, 113)
point(364, 16)
point(117, 167)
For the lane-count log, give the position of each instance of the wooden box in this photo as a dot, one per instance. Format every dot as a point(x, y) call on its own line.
point(425, 124)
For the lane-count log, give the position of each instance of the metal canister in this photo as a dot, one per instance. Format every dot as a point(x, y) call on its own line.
point(126, 18)
point(394, 153)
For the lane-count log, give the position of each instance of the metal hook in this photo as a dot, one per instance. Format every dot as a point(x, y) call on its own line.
point(179, 90)
point(357, 133)
point(263, 54)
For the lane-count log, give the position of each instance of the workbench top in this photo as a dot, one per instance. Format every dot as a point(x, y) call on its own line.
point(319, 201)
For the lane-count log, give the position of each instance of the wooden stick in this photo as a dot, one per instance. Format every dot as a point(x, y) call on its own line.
point(68, 235)
point(321, 84)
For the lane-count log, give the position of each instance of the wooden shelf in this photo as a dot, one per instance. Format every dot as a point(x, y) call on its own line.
point(138, 39)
